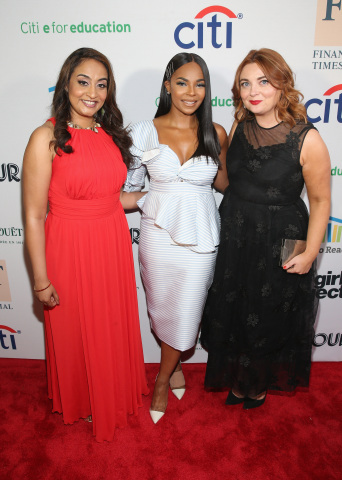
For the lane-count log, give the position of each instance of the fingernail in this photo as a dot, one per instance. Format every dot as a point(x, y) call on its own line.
point(284, 267)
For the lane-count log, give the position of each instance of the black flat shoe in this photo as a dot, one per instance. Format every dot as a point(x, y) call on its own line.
point(233, 399)
point(253, 403)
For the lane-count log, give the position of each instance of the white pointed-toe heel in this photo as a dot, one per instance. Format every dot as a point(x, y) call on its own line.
point(177, 384)
point(178, 392)
point(156, 416)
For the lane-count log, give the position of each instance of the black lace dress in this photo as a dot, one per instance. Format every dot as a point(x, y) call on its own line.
point(258, 319)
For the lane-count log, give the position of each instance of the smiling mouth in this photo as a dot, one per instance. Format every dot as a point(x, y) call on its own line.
point(188, 103)
point(88, 103)
point(255, 102)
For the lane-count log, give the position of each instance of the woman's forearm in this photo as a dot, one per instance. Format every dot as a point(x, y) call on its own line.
point(35, 241)
point(318, 220)
point(129, 199)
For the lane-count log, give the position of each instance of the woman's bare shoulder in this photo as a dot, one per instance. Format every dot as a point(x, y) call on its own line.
point(40, 140)
point(44, 134)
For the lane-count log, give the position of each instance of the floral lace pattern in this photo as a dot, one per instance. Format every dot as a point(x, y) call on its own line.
point(258, 320)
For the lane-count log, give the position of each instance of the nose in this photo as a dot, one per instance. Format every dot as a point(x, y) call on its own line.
point(191, 90)
point(254, 89)
point(92, 91)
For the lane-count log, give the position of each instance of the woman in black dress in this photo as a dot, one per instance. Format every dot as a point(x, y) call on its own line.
point(259, 317)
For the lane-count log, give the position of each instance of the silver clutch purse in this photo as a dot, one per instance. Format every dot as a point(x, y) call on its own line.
point(290, 248)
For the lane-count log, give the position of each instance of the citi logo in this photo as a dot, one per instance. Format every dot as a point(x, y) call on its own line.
point(334, 230)
point(214, 31)
point(7, 338)
point(9, 171)
point(323, 108)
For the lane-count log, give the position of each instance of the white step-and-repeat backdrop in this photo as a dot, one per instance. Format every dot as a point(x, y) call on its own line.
point(139, 38)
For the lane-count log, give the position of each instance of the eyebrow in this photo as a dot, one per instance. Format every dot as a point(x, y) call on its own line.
point(246, 79)
point(87, 76)
point(186, 79)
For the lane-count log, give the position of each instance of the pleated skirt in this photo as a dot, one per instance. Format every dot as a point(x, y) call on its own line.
point(94, 354)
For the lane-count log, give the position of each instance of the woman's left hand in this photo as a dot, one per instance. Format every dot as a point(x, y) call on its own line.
point(299, 264)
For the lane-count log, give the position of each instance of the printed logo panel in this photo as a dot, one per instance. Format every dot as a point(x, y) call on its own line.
point(329, 339)
point(334, 230)
point(11, 235)
point(328, 23)
point(7, 337)
point(53, 28)
point(5, 293)
point(9, 172)
point(327, 109)
point(336, 171)
point(329, 286)
point(214, 30)
point(332, 237)
point(215, 102)
point(135, 235)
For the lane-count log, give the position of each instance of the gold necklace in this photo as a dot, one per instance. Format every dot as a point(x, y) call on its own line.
point(93, 128)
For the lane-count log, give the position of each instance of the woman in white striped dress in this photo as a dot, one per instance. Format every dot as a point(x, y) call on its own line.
point(181, 151)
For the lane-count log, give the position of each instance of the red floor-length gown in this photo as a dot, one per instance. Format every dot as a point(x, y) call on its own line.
point(94, 353)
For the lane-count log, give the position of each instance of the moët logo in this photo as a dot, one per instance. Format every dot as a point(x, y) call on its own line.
point(326, 111)
point(220, 32)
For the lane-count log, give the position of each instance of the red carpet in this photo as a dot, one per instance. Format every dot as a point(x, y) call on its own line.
point(199, 438)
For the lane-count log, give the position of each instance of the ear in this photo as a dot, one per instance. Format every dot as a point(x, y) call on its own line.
point(167, 85)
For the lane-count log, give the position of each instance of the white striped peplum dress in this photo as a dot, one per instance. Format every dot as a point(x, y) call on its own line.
point(179, 235)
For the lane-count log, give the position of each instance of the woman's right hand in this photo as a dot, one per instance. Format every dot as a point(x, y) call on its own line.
point(300, 264)
point(48, 297)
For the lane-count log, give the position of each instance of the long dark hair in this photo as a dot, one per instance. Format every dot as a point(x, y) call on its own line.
point(109, 116)
point(289, 108)
point(208, 142)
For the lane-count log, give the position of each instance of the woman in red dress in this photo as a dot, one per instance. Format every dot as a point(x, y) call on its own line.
point(81, 255)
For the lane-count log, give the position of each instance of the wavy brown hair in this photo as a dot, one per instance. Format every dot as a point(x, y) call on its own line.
point(109, 116)
point(290, 108)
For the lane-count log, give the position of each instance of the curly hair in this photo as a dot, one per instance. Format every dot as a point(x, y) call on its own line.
point(290, 108)
point(109, 116)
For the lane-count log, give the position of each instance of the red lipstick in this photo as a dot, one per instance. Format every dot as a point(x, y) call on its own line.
point(255, 102)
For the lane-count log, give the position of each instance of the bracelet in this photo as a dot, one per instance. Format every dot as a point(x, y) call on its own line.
point(42, 289)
